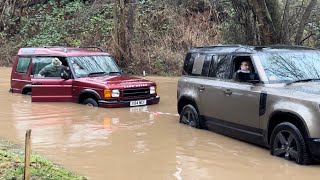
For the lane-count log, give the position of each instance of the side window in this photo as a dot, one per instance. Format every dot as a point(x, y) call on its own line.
point(43, 67)
point(23, 64)
point(188, 63)
point(198, 64)
point(220, 67)
point(206, 65)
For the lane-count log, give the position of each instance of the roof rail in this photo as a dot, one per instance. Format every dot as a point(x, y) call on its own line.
point(91, 47)
point(291, 46)
point(62, 47)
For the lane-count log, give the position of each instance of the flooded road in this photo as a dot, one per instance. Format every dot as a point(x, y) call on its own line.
point(136, 143)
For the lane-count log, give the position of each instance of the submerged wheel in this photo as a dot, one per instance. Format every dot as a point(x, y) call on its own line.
point(90, 102)
point(189, 116)
point(288, 142)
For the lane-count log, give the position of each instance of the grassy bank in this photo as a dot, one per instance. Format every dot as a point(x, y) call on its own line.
point(12, 165)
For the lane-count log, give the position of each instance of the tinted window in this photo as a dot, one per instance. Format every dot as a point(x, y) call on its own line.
point(206, 65)
point(198, 64)
point(220, 67)
point(23, 64)
point(188, 63)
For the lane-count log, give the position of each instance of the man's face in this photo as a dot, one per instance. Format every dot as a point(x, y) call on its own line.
point(76, 66)
point(245, 66)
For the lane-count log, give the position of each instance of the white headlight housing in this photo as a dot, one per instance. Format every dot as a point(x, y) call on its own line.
point(115, 93)
point(152, 89)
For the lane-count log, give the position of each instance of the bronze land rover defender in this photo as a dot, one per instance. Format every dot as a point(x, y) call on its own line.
point(267, 95)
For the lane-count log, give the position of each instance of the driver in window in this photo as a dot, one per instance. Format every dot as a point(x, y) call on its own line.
point(52, 70)
point(80, 71)
point(245, 68)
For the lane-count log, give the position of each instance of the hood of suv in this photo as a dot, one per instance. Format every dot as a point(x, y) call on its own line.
point(117, 80)
point(311, 88)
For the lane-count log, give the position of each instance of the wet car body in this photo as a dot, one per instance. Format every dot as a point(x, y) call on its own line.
point(277, 110)
point(107, 88)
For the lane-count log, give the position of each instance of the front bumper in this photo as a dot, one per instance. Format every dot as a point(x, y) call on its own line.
point(314, 147)
point(115, 104)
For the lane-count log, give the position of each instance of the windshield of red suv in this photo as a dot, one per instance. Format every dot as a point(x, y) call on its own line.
point(85, 66)
point(291, 66)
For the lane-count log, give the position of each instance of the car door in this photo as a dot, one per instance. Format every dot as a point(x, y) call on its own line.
point(227, 102)
point(49, 89)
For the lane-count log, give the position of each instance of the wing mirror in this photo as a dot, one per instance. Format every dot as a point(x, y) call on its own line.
point(247, 76)
point(65, 75)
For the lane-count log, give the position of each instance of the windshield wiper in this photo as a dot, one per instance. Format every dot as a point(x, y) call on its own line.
point(302, 80)
point(114, 72)
point(96, 73)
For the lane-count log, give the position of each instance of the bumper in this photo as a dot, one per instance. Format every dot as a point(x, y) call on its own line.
point(115, 104)
point(314, 147)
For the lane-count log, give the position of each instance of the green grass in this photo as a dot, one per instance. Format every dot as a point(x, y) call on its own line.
point(12, 165)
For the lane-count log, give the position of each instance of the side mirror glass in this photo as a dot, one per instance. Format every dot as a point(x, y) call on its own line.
point(64, 75)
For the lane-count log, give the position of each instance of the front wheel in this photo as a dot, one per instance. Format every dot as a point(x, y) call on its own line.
point(90, 102)
point(189, 116)
point(288, 142)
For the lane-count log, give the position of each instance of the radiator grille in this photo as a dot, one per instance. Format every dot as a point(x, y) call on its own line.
point(136, 93)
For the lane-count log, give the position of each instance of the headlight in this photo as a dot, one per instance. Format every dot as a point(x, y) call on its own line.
point(153, 89)
point(111, 93)
point(115, 93)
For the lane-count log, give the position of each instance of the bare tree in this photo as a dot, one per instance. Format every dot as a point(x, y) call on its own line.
point(305, 20)
point(266, 25)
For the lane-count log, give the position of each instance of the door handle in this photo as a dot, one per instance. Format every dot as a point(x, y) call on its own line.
point(36, 83)
point(228, 92)
point(201, 88)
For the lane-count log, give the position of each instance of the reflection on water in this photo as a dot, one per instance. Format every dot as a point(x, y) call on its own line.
point(135, 143)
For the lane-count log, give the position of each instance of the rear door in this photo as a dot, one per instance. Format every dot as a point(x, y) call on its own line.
point(20, 76)
point(49, 89)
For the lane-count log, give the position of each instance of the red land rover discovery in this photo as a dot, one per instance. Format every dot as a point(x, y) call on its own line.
point(88, 77)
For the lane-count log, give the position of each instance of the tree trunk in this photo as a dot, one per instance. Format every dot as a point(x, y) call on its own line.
point(117, 52)
point(130, 26)
point(122, 34)
point(265, 22)
point(284, 24)
point(304, 20)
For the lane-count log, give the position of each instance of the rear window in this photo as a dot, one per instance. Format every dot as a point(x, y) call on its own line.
point(197, 64)
point(221, 67)
point(23, 64)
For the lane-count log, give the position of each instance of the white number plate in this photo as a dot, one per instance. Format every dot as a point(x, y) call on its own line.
point(138, 103)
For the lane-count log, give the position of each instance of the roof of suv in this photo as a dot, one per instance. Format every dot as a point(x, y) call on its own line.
point(61, 51)
point(248, 49)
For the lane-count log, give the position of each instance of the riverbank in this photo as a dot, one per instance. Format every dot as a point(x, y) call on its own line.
point(12, 165)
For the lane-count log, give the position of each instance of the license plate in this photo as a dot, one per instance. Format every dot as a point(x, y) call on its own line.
point(138, 103)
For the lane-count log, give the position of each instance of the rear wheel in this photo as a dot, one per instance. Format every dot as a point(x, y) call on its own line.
point(90, 102)
point(288, 142)
point(189, 116)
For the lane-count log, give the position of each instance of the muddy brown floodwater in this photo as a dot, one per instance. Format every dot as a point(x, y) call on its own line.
point(136, 143)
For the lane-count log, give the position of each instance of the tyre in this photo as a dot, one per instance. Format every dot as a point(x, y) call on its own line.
point(288, 142)
point(189, 116)
point(29, 93)
point(90, 102)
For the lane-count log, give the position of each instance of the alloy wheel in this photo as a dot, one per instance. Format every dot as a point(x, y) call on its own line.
point(285, 145)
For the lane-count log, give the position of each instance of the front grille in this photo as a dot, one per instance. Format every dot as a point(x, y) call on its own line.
point(136, 93)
